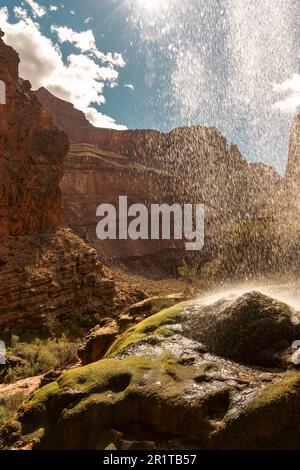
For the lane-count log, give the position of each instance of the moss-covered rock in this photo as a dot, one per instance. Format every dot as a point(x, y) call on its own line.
point(159, 387)
point(144, 331)
point(155, 304)
point(252, 328)
point(271, 421)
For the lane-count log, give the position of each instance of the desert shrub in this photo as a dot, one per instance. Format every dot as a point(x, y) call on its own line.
point(188, 274)
point(28, 271)
point(41, 356)
point(8, 407)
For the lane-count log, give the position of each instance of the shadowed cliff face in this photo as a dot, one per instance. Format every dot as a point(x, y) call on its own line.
point(32, 150)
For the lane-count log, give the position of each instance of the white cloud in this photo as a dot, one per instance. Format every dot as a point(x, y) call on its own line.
point(20, 12)
point(81, 80)
point(129, 85)
point(101, 120)
point(37, 9)
point(85, 42)
point(53, 8)
point(290, 103)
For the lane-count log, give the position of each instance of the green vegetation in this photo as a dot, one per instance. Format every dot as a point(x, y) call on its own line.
point(40, 356)
point(76, 409)
point(9, 406)
point(152, 324)
point(28, 271)
point(189, 275)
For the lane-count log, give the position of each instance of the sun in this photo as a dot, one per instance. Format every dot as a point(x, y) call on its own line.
point(153, 5)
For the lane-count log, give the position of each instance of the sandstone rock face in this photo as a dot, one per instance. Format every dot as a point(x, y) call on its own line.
point(156, 377)
point(32, 150)
point(93, 177)
point(98, 342)
point(200, 156)
point(47, 274)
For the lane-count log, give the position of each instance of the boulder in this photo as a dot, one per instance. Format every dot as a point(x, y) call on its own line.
point(154, 378)
point(252, 328)
point(155, 304)
point(98, 341)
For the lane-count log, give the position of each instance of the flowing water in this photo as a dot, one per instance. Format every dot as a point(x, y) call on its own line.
point(232, 64)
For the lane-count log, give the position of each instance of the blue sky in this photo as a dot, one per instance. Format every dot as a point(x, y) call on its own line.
point(161, 64)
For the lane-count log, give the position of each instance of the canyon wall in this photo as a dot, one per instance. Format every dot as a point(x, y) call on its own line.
point(193, 164)
point(48, 275)
point(93, 177)
point(32, 150)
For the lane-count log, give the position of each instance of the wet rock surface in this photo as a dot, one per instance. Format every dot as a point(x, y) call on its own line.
point(250, 328)
point(154, 378)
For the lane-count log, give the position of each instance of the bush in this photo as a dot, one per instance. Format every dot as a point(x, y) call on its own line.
point(9, 406)
point(41, 356)
point(28, 271)
point(189, 275)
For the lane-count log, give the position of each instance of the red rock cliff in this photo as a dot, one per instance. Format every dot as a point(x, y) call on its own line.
point(32, 150)
point(48, 275)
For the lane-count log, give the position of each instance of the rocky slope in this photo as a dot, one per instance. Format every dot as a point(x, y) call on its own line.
point(46, 272)
point(160, 374)
point(49, 280)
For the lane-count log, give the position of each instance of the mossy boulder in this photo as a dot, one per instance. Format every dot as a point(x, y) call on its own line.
point(161, 387)
point(252, 328)
point(155, 304)
point(146, 331)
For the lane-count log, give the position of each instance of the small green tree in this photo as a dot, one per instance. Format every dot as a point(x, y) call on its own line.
point(189, 275)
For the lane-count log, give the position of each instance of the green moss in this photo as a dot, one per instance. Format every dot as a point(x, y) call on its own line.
point(151, 325)
point(38, 400)
point(271, 421)
point(278, 391)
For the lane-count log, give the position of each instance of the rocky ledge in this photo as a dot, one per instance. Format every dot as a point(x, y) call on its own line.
point(176, 367)
point(51, 279)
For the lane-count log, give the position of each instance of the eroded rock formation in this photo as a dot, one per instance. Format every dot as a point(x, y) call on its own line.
point(93, 176)
point(46, 272)
point(31, 156)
